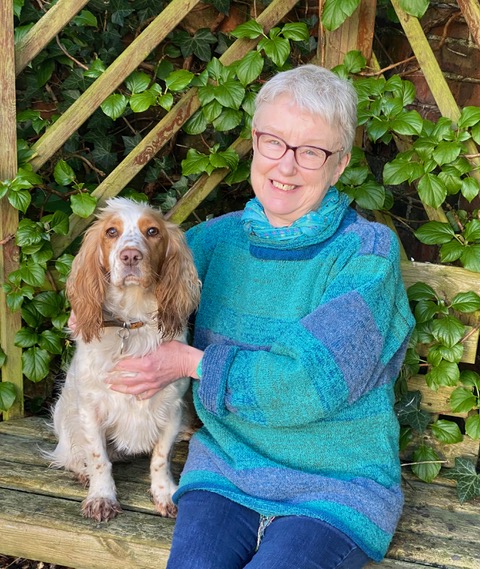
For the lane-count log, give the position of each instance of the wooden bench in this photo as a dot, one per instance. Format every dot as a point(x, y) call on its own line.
point(40, 507)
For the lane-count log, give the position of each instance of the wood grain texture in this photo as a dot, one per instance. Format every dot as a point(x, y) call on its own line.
point(40, 515)
point(10, 321)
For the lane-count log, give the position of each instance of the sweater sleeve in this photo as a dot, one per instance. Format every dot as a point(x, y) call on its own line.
point(353, 342)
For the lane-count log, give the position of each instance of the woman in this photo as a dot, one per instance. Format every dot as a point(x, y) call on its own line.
point(300, 334)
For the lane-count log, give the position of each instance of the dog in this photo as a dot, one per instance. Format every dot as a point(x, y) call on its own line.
point(132, 286)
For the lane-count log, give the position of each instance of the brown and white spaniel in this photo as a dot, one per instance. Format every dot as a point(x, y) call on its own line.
point(132, 286)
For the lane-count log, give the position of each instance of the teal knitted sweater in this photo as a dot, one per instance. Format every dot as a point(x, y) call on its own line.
point(303, 341)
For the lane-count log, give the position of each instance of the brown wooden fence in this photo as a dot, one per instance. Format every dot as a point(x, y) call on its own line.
point(356, 33)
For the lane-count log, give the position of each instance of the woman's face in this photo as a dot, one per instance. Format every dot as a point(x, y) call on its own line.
point(286, 190)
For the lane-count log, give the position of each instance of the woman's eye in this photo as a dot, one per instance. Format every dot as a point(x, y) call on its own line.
point(152, 231)
point(111, 232)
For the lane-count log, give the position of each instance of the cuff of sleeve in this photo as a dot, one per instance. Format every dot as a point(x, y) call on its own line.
point(199, 369)
point(216, 362)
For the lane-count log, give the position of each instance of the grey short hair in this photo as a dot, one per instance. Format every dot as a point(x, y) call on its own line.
point(318, 91)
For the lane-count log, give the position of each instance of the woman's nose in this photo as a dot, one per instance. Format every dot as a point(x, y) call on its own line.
point(287, 162)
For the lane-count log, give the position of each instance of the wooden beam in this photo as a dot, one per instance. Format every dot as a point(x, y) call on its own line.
point(356, 33)
point(10, 322)
point(40, 35)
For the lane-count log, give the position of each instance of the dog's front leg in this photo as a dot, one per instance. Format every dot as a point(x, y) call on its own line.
point(101, 502)
point(162, 484)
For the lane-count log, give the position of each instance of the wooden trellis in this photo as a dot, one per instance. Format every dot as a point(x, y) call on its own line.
point(356, 33)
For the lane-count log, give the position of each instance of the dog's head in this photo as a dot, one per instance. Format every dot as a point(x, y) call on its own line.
point(132, 245)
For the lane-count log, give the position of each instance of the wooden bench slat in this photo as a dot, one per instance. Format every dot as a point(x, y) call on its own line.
point(51, 529)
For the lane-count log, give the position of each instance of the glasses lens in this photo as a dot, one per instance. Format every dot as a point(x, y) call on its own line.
point(310, 157)
point(271, 146)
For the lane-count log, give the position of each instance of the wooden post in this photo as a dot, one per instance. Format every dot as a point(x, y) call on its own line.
point(9, 322)
point(356, 33)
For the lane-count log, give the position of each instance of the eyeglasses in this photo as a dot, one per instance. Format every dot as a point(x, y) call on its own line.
point(308, 157)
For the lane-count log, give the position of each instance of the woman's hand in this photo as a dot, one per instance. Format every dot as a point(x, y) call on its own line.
point(144, 377)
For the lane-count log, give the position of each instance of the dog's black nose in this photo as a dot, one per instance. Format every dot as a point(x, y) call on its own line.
point(131, 257)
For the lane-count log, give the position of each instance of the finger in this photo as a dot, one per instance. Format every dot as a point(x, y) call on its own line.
point(121, 378)
point(137, 389)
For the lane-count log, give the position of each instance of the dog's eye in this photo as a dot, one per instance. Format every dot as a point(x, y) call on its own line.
point(152, 231)
point(111, 232)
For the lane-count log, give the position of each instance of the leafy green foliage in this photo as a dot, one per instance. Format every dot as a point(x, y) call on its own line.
point(468, 481)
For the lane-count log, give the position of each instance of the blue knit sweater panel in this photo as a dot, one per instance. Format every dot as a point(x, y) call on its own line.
point(303, 341)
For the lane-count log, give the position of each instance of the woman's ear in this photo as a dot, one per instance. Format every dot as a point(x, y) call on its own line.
point(340, 168)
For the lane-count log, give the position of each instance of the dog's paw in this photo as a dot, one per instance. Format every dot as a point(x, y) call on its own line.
point(166, 508)
point(100, 509)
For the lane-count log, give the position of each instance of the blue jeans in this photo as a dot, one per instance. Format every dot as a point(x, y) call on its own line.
point(212, 532)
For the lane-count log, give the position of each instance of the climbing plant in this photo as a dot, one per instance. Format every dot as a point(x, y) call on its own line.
point(432, 169)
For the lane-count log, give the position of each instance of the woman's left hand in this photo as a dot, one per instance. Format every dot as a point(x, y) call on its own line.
point(146, 376)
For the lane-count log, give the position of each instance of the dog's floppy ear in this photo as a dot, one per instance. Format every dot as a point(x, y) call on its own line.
point(86, 286)
point(178, 287)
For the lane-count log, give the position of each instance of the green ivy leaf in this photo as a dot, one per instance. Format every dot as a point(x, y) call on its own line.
point(29, 232)
point(140, 102)
point(8, 395)
point(470, 378)
point(114, 106)
point(296, 31)
point(468, 481)
point(415, 8)
point(425, 310)
point(230, 94)
point(448, 330)
point(409, 413)
point(63, 173)
point(251, 30)
point(470, 188)
point(57, 222)
point(97, 67)
point(421, 291)
point(196, 124)
point(472, 231)
point(432, 190)
point(466, 302)
point(227, 120)
point(49, 303)
point(462, 400)
point(20, 200)
point(36, 364)
point(32, 274)
point(165, 101)
point(447, 432)
point(250, 67)
point(397, 172)
point(225, 159)
point(64, 264)
point(85, 18)
point(451, 252)
point(26, 338)
point(277, 49)
point(446, 374)
point(377, 128)
point(3, 358)
point(446, 152)
point(408, 123)
point(470, 116)
point(335, 12)
point(137, 82)
point(195, 162)
point(354, 61)
point(428, 463)
point(83, 204)
point(51, 341)
point(179, 80)
point(370, 195)
point(472, 426)
point(471, 258)
point(434, 233)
